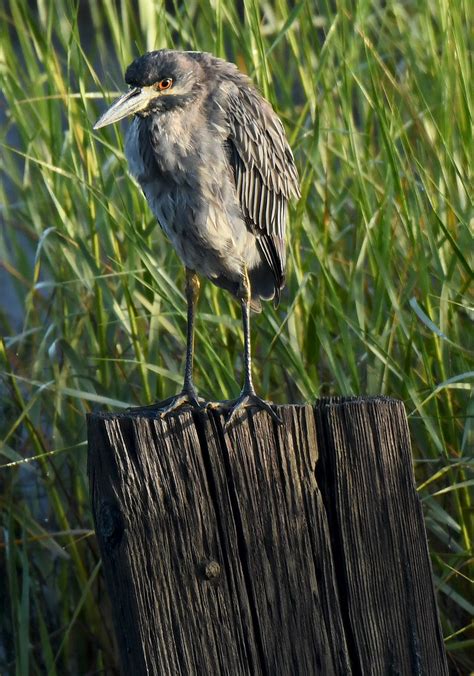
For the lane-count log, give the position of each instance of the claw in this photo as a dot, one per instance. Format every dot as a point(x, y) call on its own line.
point(185, 398)
point(251, 400)
point(246, 400)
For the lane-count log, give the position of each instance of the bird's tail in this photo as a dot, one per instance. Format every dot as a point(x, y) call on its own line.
point(262, 285)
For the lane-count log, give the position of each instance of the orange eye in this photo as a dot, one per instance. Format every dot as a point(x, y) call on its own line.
point(165, 83)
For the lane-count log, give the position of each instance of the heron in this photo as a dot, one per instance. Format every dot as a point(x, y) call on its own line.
point(213, 161)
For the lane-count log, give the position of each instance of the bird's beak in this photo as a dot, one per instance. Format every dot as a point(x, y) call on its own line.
point(130, 103)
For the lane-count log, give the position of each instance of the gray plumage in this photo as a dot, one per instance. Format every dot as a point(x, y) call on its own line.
point(212, 159)
point(216, 169)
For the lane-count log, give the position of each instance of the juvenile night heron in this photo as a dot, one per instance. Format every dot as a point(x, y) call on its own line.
point(212, 159)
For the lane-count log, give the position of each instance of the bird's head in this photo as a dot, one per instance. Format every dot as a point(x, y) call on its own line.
point(159, 81)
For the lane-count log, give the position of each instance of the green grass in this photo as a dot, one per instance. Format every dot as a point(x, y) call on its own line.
point(377, 100)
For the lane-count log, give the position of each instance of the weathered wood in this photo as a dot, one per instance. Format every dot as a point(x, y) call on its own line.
point(262, 549)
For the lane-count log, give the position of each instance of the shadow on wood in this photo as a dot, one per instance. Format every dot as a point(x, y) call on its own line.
point(263, 549)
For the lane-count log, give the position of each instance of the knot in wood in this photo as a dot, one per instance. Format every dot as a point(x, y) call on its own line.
point(211, 570)
point(110, 524)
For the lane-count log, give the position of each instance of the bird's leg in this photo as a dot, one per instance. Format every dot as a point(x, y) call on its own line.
point(248, 388)
point(248, 397)
point(192, 294)
point(188, 395)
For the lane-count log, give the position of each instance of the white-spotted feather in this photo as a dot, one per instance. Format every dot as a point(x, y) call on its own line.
point(264, 169)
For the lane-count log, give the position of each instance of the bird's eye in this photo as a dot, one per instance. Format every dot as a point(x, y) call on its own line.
point(165, 83)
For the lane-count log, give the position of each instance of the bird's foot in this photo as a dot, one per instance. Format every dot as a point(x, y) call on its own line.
point(187, 399)
point(232, 407)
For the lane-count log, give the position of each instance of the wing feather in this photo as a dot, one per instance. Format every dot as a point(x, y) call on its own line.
point(264, 171)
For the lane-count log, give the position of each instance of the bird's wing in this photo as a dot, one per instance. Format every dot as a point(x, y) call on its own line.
point(264, 170)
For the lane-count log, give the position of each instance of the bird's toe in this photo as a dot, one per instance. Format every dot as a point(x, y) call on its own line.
point(187, 399)
point(246, 400)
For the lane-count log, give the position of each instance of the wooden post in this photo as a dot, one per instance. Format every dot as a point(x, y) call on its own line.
point(264, 549)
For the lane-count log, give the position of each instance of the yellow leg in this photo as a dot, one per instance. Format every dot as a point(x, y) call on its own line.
point(248, 397)
point(188, 395)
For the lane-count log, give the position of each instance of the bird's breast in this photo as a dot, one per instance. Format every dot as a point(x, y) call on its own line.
point(192, 195)
point(162, 148)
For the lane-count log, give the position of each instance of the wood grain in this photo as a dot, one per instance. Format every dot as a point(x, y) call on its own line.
point(264, 549)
